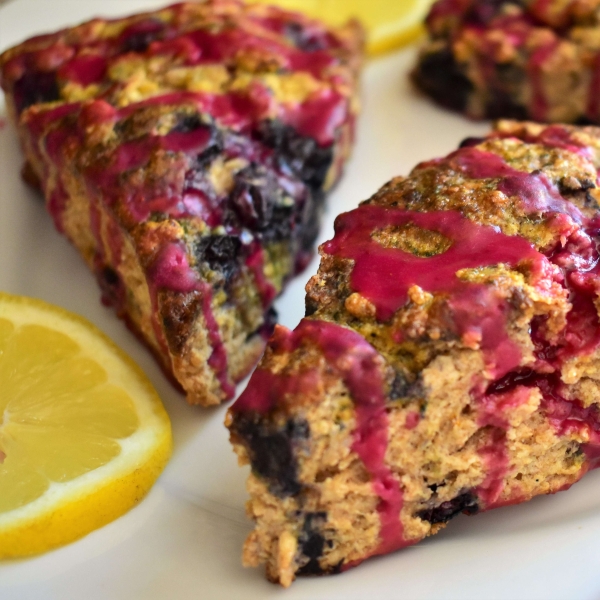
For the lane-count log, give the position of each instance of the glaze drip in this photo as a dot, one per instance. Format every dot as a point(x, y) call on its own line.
point(171, 271)
point(361, 368)
point(384, 275)
point(534, 191)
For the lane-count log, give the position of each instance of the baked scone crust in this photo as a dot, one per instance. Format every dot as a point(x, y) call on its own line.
point(186, 153)
point(448, 361)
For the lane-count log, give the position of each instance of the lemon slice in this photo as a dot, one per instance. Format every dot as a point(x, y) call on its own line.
point(389, 23)
point(83, 434)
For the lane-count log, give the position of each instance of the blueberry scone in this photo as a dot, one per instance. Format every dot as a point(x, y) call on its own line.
point(448, 362)
point(186, 153)
point(521, 59)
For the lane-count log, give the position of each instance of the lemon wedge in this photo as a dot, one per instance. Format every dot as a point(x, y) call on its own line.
point(389, 23)
point(83, 434)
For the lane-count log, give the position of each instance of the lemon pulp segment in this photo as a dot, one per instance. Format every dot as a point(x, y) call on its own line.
point(389, 23)
point(83, 435)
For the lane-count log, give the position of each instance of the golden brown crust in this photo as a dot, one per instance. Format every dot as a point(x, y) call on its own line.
point(435, 373)
point(186, 152)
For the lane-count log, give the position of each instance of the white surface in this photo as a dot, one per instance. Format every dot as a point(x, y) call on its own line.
point(184, 541)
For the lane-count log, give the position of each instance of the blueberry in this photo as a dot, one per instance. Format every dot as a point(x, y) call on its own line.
point(252, 204)
point(297, 155)
point(221, 253)
point(400, 387)
point(503, 106)
point(187, 123)
point(34, 88)
point(310, 222)
point(304, 39)
point(312, 543)
point(272, 451)
point(270, 319)
point(466, 503)
point(139, 36)
point(439, 75)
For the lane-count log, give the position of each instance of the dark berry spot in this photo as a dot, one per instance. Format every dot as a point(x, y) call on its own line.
point(440, 76)
point(590, 201)
point(252, 201)
point(585, 121)
point(270, 319)
point(34, 88)
point(312, 543)
point(111, 287)
point(511, 380)
point(503, 106)
point(471, 141)
point(187, 123)
point(403, 388)
point(305, 39)
point(310, 307)
point(465, 503)
point(483, 11)
point(272, 452)
point(137, 37)
point(220, 252)
point(110, 277)
point(298, 155)
point(258, 203)
point(400, 386)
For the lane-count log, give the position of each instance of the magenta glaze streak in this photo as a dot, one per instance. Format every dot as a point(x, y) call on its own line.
point(136, 154)
point(494, 410)
point(171, 271)
point(318, 116)
point(536, 193)
point(495, 458)
point(360, 367)
point(384, 275)
point(555, 136)
point(84, 70)
point(256, 262)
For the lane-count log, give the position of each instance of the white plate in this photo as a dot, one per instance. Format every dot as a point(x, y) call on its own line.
point(184, 541)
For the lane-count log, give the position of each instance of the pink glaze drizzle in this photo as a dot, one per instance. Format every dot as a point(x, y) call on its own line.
point(172, 271)
point(256, 262)
point(318, 116)
point(495, 458)
point(361, 368)
point(384, 275)
point(534, 190)
point(554, 136)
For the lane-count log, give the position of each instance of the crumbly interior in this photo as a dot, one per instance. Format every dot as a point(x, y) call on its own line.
point(460, 433)
point(180, 152)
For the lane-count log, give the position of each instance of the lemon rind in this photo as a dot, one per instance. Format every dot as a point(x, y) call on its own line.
point(103, 494)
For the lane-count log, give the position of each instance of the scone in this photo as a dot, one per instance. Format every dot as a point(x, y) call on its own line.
point(449, 360)
point(514, 59)
point(186, 153)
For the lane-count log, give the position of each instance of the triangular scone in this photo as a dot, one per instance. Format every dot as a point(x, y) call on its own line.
point(449, 360)
point(186, 153)
point(514, 59)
